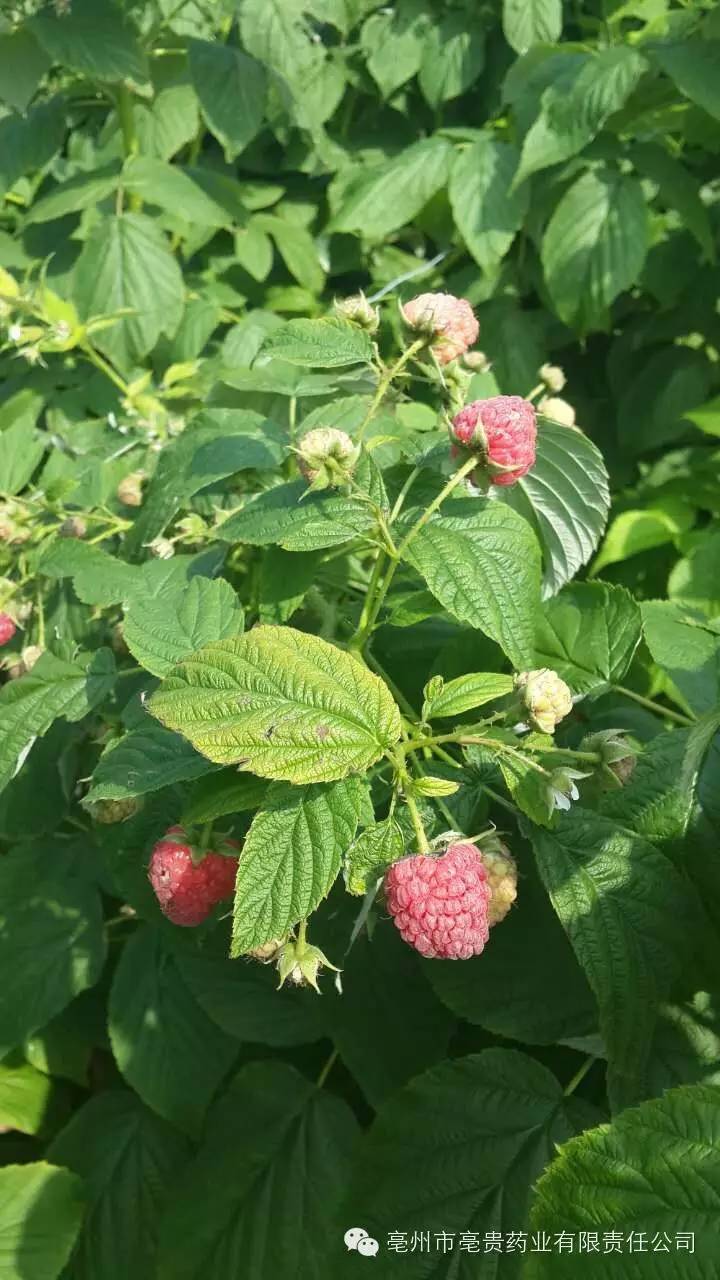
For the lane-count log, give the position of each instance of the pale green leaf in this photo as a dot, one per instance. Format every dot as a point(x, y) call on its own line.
point(643, 528)
point(297, 520)
point(25, 1098)
point(98, 578)
point(453, 57)
point(530, 22)
point(232, 88)
point(392, 42)
point(80, 192)
point(41, 1208)
point(487, 212)
point(368, 856)
point(687, 650)
point(21, 451)
point(176, 191)
point(383, 198)
point(319, 344)
point(163, 627)
point(464, 693)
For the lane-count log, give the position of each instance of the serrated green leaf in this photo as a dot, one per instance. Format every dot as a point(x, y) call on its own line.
point(530, 22)
point(657, 800)
point(165, 1045)
point(653, 1173)
point(454, 697)
point(53, 688)
point(299, 252)
point(282, 704)
point(482, 562)
point(175, 190)
point(393, 44)
point(25, 1097)
point(297, 520)
point(685, 649)
point(81, 192)
point(128, 1159)
point(694, 580)
point(698, 744)
point(694, 66)
point(232, 88)
point(20, 453)
point(453, 57)
point(221, 794)
point(594, 247)
point(161, 628)
point(98, 578)
point(611, 890)
point(487, 212)
point(486, 1125)
point(373, 850)
point(270, 1124)
point(291, 858)
point(41, 1208)
point(319, 344)
point(243, 998)
point(94, 38)
point(588, 634)
point(145, 760)
point(383, 198)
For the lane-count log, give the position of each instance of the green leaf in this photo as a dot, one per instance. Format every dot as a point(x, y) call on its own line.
point(29, 142)
point(383, 198)
point(694, 66)
point(285, 578)
point(706, 416)
point(638, 530)
point(165, 1045)
point(530, 22)
point(163, 627)
point(482, 562)
point(232, 88)
point(128, 1160)
point(216, 444)
point(145, 760)
point(454, 697)
point(223, 793)
point(94, 38)
point(51, 940)
point(320, 344)
point(25, 1097)
point(678, 189)
point(693, 581)
point(686, 650)
point(277, 34)
point(453, 57)
point(175, 190)
point(276, 1153)
point(53, 688)
point(126, 263)
point(297, 520)
point(23, 65)
point(685, 1049)
point(393, 44)
point(567, 498)
point(299, 252)
point(20, 453)
point(291, 858)
point(699, 740)
point(594, 247)
point(41, 1208)
point(654, 1172)
point(457, 1150)
point(611, 890)
point(243, 998)
point(282, 704)
point(487, 212)
point(573, 111)
point(657, 800)
point(98, 578)
point(81, 192)
point(588, 634)
point(368, 856)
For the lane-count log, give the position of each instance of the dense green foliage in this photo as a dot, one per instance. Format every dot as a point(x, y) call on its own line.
point(328, 672)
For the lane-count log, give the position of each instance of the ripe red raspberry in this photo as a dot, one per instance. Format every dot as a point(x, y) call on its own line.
point(451, 321)
point(188, 891)
point(440, 904)
point(7, 628)
point(503, 432)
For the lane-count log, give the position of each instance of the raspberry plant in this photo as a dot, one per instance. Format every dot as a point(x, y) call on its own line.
point(359, 637)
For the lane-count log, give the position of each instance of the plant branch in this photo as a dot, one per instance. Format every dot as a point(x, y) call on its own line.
point(656, 707)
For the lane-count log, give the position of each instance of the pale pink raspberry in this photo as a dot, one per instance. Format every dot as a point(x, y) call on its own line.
point(449, 320)
point(440, 904)
point(503, 432)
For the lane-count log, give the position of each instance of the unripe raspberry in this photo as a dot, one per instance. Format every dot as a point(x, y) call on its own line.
point(188, 890)
point(162, 548)
point(30, 655)
point(327, 457)
point(501, 871)
point(449, 321)
point(546, 698)
point(440, 904)
point(107, 812)
point(7, 628)
point(357, 310)
point(476, 361)
point(553, 377)
point(130, 489)
point(502, 432)
point(558, 410)
point(73, 527)
point(267, 952)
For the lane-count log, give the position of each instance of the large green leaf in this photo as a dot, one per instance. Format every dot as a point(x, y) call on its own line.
point(243, 998)
point(588, 634)
point(53, 688)
point(144, 760)
point(94, 38)
point(98, 578)
point(128, 1159)
point(611, 890)
point(268, 1174)
point(126, 264)
point(529, 22)
point(694, 65)
point(26, 1097)
point(687, 650)
point(487, 213)
point(20, 453)
point(165, 1045)
point(457, 1151)
point(232, 88)
point(23, 63)
point(163, 627)
point(393, 43)
point(41, 1208)
point(51, 939)
point(594, 247)
point(80, 192)
point(657, 800)
point(176, 190)
point(319, 344)
point(566, 496)
point(452, 59)
point(385, 197)
point(291, 858)
point(652, 1178)
point(29, 141)
point(282, 704)
point(482, 562)
point(297, 520)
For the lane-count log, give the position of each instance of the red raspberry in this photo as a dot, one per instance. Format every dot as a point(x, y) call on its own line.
point(503, 431)
point(7, 628)
point(450, 320)
point(440, 904)
point(188, 891)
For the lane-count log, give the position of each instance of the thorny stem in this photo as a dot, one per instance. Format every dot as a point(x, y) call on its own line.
point(385, 381)
point(655, 707)
point(579, 1076)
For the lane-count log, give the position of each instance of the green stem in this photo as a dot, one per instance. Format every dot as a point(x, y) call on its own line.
point(655, 707)
point(579, 1076)
point(498, 799)
point(400, 500)
point(327, 1068)
point(385, 381)
point(126, 116)
point(423, 843)
point(356, 641)
point(205, 836)
point(104, 366)
point(592, 757)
